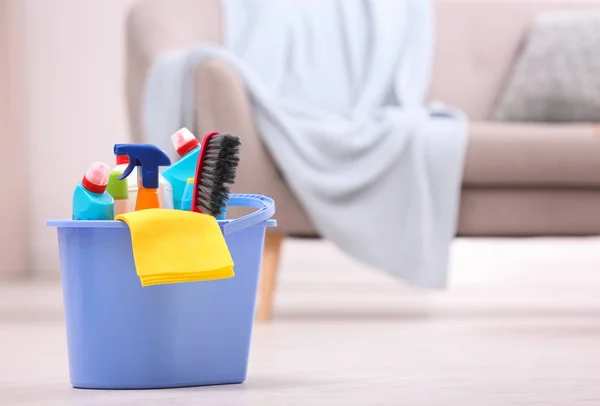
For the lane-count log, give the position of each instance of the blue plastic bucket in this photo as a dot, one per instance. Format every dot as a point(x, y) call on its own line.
point(121, 335)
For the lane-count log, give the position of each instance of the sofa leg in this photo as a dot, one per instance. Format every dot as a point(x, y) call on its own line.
point(268, 276)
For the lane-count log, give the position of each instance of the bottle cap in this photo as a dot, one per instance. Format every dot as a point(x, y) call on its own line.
point(96, 177)
point(184, 141)
point(122, 159)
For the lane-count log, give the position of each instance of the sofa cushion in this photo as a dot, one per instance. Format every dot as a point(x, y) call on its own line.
point(529, 212)
point(533, 155)
point(556, 77)
point(477, 42)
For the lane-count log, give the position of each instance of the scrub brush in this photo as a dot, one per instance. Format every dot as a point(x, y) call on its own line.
point(215, 172)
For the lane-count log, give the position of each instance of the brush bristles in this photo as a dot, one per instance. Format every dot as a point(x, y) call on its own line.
point(221, 160)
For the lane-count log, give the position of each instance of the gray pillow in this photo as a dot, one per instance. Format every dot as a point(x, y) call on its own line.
point(557, 76)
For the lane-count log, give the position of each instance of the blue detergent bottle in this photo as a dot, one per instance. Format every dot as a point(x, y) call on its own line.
point(188, 193)
point(188, 148)
point(90, 199)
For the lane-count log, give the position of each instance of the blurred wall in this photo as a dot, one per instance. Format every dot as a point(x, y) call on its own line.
point(74, 103)
point(14, 222)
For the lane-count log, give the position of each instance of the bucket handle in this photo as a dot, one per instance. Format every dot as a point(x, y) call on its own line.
point(265, 206)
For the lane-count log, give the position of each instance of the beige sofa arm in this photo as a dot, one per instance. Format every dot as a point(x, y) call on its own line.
point(156, 26)
point(222, 104)
point(525, 155)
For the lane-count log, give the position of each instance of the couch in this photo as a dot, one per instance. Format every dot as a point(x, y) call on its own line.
point(520, 179)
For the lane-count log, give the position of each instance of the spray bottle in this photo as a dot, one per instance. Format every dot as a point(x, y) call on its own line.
point(165, 190)
point(90, 200)
point(188, 148)
point(149, 158)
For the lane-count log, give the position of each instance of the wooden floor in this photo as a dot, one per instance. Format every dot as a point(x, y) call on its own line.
point(520, 324)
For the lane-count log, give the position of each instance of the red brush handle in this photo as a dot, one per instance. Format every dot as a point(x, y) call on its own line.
point(199, 165)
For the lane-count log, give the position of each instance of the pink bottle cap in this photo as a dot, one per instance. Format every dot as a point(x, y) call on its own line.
point(184, 141)
point(96, 177)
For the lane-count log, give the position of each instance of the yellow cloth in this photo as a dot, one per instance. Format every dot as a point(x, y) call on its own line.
point(172, 246)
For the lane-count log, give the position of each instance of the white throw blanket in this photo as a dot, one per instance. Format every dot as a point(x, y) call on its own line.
point(338, 89)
